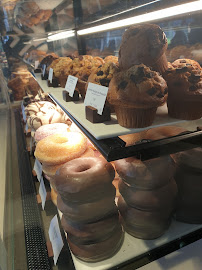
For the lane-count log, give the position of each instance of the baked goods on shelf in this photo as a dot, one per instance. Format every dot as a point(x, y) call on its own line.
point(188, 175)
point(22, 84)
point(40, 118)
point(184, 90)
point(40, 106)
point(84, 179)
point(136, 94)
point(29, 14)
point(86, 197)
point(58, 148)
point(143, 44)
point(50, 129)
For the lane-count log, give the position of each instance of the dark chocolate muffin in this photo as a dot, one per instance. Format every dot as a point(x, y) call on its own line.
point(145, 44)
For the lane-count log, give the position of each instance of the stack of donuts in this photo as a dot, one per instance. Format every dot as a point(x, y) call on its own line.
point(86, 197)
point(147, 195)
point(188, 176)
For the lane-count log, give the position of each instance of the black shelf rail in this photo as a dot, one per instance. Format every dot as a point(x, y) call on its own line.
point(115, 148)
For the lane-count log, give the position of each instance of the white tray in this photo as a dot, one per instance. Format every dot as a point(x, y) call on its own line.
point(108, 129)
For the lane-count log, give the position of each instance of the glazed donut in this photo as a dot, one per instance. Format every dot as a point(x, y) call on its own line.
point(54, 196)
point(57, 149)
point(98, 251)
point(82, 233)
point(162, 199)
point(40, 106)
point(147, 174)
point(88, 212)
point(50, 170)
point(84, 179)
point(50, 129)
point(143, 224)
point(39, 119)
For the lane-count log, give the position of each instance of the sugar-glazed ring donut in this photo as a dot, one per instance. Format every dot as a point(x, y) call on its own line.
point(57, 149)
point(84, 179)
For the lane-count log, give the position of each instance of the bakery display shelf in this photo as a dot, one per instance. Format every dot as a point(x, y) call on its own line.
point(135, 252)
point(105, 135)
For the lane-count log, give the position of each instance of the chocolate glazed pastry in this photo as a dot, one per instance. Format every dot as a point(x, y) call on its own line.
point(86, 233)
point(99, 251)
point(145, 44)
point(160, 199)
point(84, 179)
point(143, 224)
point(88, 212)
point(146, 175)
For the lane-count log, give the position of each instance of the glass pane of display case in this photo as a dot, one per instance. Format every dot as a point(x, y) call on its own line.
point(116, 189)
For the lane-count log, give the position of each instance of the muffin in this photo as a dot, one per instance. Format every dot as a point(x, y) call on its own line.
point(82, 68)
point(61, 70)
point(111, 58)
point(179, 63)
point(136, 94)
point(184, 91)
point(145, 44)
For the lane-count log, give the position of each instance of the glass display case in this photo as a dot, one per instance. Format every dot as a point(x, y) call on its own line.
point(79, 35)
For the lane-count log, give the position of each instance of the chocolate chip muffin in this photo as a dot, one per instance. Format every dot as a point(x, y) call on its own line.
point(180, 63)
point(111, 58)
point(135, 94)
point(145, 44)
point(103, 74)
point(184, 91)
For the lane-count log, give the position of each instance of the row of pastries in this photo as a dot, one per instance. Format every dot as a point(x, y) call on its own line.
point(81, 181)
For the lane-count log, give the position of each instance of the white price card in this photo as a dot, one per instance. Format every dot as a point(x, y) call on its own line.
point(38, 169)
point(50, 75)
point(26, 128)
point(71, 84)
point(44, 69)
point(96, 96)
point(55, 238)
point(42, 192)
point(23, 112)
point(36, 64)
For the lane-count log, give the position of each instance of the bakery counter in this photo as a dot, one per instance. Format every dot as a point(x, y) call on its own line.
point(105, 135)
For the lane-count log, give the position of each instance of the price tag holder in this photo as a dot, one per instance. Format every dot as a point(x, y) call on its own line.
point(44, 69)
point(23, 112)
point(50, 75)
point(42, 192)
point(96, 96)
point(36, 64)
point(38, 169)
point(71, 85)
point(55, 238)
